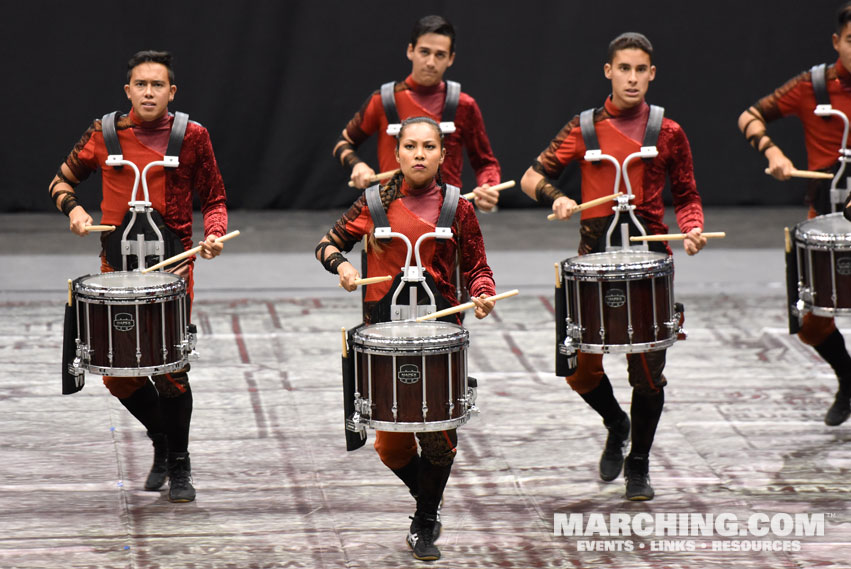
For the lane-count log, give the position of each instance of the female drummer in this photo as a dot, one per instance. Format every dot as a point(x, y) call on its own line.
point(413, 200)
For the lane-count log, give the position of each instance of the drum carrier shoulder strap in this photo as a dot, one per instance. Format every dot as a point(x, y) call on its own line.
point(175, 139)
point(388, 101)
point(110, 138)
point(589, 132)
point(818, 75)
point(376, 209)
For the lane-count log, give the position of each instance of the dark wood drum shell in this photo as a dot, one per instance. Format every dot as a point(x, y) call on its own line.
point(403, 365)
point(620, 301)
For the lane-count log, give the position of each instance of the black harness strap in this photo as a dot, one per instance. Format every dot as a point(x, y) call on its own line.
point(388, 101)
point(450, 105)
point(654, 125)
point(175, 139)
point(450, 204)
point(110, 135)
point(376, 208)
point(589, 132)
point(818, 76)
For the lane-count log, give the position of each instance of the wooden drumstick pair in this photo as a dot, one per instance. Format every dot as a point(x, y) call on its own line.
point(465, 306)
point(189, 253)
point(590, 204)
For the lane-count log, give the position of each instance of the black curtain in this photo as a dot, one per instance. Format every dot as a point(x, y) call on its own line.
point(275, 82)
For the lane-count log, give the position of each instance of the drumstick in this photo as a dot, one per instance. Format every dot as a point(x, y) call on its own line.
point(371, 280)
point(795, 173)
point(69, 292)
point(91, 228)
point(558, 275)
point(788, 239)
point(378, 177)
point(189, 253)
point(676, 236)
point(498, 187)
point(465, 306)
point(345, 343)
point(592, 203)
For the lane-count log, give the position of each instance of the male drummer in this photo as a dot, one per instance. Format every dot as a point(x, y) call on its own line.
point(823, 140)
point(164, 407)
point(620, 126)
point(424, 93)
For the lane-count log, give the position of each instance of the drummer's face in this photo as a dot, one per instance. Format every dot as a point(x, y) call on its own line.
point(630, 72)
point(149, 90)
point(419, 153)
point(842, 45)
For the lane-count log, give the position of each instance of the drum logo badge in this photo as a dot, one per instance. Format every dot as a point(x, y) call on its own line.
point(123, 322)
point(408, 373)
point(843, 266)
point(615, 298)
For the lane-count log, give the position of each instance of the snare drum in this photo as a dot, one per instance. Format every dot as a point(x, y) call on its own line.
point(132, 324)
point(412, 376)
point(620, 302)
point(823, 249)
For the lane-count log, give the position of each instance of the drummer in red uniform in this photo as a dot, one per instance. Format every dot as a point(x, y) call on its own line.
point(620, 127)
point(413, 200)
point(823, 139)
point(425, 93)
point(164, 407)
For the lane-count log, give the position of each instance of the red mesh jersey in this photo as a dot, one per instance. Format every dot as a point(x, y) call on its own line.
point(170, 190)
point(823, 137)
point(469, 133)
point(646, 177)
point(438, 256)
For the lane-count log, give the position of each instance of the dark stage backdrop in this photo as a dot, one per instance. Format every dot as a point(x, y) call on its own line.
point(275, 82)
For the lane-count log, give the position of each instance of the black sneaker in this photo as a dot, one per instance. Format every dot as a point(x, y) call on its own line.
point(180, 478)
point(421, 538)
point(159, 470)
point(611, 461)
point(437, 525)
point(636, 472)
point(839, 411)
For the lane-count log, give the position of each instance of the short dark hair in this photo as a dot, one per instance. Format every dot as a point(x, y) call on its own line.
point(414, 120)
point(630, 40)
point(434, 25)
point(151, 56)
point(843, 16)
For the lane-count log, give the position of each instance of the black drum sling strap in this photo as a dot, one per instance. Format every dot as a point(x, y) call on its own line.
point(818, 75)
point(651, 131)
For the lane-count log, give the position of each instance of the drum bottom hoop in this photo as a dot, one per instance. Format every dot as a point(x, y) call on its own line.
point(827, 311)
point(136, 371)
point(627, 348)
point(429, 426)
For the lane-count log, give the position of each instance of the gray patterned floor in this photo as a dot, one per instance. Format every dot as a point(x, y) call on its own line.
point(742, 431)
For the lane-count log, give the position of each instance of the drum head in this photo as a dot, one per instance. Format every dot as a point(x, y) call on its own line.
point(129, 284)
point(831, 231)
point(619, 263)
point(411, 335)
